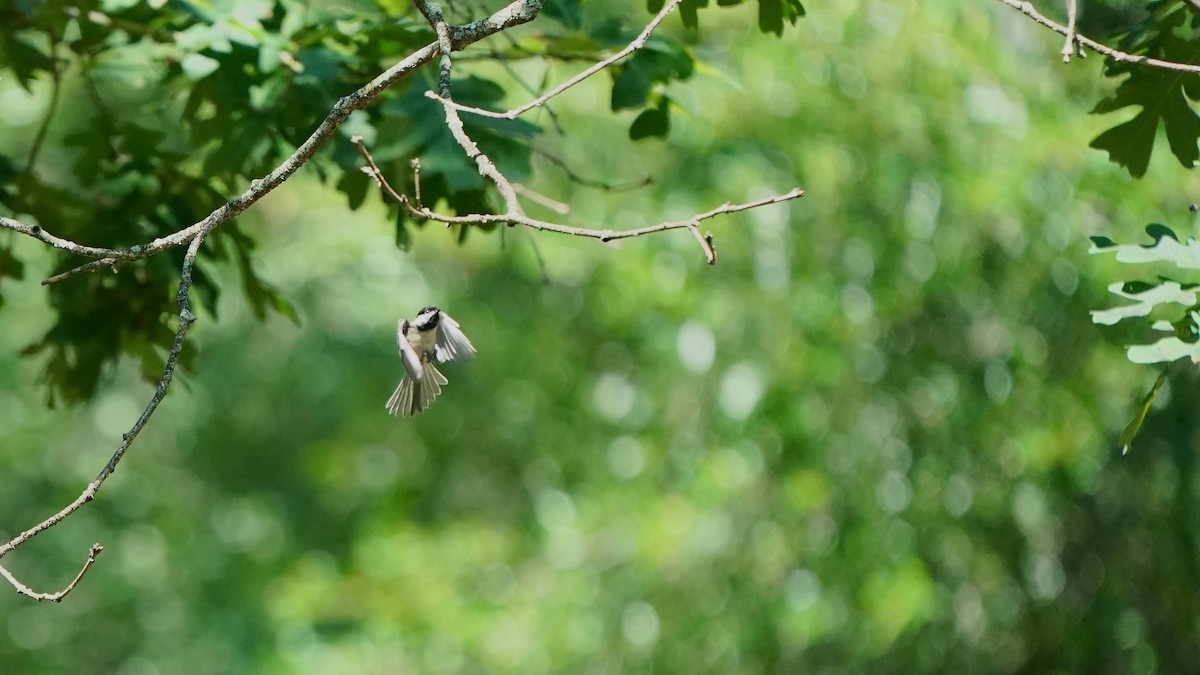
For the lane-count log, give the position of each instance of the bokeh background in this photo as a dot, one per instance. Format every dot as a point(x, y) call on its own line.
point(878, 436)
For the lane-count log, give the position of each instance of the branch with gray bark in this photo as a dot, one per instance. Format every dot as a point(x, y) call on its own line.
point(458, 37)
point(450, 39)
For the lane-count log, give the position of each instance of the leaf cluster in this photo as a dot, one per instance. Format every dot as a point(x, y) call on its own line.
point(1170, 31)
point(1164, 296)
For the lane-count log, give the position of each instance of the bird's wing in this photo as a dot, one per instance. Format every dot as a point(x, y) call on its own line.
point(451, 343)
point(412, 361)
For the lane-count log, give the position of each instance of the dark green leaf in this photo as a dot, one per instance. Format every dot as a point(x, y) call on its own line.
point(631, 87)
point(661, 61)
point(567, 12)
point(10, 265)
point(687, 12)
point(653, 122)
point(770, 16)
point(1158, 231)
point(1137, 286)
point(1161, 95)
point(355, 185)
point(1130, 144)
point(403, 236)
point(25, 60)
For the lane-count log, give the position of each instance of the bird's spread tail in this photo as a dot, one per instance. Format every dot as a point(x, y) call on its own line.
point(412, 397)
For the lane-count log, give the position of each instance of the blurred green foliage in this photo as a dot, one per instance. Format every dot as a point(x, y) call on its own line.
point(879, 436)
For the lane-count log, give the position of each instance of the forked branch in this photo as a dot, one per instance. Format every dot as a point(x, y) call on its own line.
point(514, 214)
point(1081, 41)
point(518, 12)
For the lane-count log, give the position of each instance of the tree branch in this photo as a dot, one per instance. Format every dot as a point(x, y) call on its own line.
point(1028, 10)
point(1070, 46)
point(58, 596)
point(514, 215)
point(638, 43)
point(186, 319)
point(487, 168)
point(604, 235)
point(518, 12)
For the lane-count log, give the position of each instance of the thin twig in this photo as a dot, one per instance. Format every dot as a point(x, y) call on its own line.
point(44, 128)
point(539, 198)
point(57, 596)
point(1028, 10)
point(605, 235)
point(638, 43)
point(84, 268)
point(372, 169)
point(516, 77)
point(1069, 46)
point(537, 254)
point(416, 167)
point(598, 184)
point(518, 52)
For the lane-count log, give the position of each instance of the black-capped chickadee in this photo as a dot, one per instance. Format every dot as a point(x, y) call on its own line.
point(431, 337)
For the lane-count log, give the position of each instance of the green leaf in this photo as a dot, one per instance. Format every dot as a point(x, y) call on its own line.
point(355, 185)
point(631, 87)
point(1144, 300)
point(10, 265)
point(403, 236)
point(1129, 144)
point(1158, 231)
point(770, 16)
point(199, 66)
point(687, 12)
point(653, 122)
point(1166, 248)
point(1147, 297)
point(1165, 350)
point(1139, 417)
point(1162, 95)
point(660, 61)
point(24, 60)
point(1183, 129)
point(566, 12)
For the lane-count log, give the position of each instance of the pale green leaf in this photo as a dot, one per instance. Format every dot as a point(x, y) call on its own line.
point(1144, 302)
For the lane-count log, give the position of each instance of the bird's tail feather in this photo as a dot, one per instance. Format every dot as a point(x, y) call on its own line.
point(411, 397)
